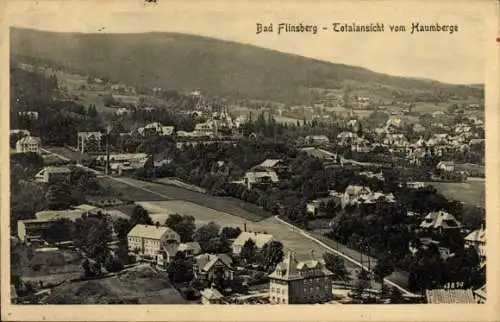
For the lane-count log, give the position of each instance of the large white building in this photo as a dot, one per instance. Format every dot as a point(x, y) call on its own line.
point(29, 144)
point(151, 239)
point(300, 282)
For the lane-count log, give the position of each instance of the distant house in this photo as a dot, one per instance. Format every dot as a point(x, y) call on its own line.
point(397, 140)
point(29, 114)
point(209, 267)
point(394, 123)
point(88, 140)
point(313, 207)
point(317, 139)
point(260, 177)
point(477, 239)
point(53, 174)
point(276, 165)
point(415, 185)
point(151, 239)
point(450, 296)
point(347, 137)
point(190, 248)
point(446, 166)
point(441, 221)
point(29, 144)
point(352, 194)
point(259, 239)
point(211, 296)
point(157, 129)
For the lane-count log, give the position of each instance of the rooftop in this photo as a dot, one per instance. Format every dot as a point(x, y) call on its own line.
point(149, 231)
point(259, 239)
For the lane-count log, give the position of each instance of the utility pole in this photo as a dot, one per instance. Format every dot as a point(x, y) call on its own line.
point(108, 132)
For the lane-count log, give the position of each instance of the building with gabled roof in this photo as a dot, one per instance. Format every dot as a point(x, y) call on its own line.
point(450, 296)
point(477, 239)
point(259, 239)
point(211, 296)
point(440, 220)
point(151, 239)
point(53, 174)
point(29, 144)
point(300, 282)
point(211, 266)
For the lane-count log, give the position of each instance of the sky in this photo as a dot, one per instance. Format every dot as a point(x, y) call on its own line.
point(457, 58)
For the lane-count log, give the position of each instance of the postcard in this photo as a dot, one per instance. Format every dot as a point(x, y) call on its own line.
point(250, 160)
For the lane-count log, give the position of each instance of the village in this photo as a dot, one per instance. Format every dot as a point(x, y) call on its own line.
point(204, 205)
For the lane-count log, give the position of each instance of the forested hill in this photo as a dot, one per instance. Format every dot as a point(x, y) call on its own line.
point(187, 62)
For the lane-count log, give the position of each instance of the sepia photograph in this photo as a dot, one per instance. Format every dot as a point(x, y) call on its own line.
point(269, 154)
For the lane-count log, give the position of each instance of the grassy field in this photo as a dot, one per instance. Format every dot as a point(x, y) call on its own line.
point(471, 192)
point(141, 285)
point(127, 186)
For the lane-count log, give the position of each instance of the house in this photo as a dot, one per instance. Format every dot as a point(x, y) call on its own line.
point(149, 240)
point(53, 174)
point(300, 282)
point(190, 248)
point(394, 123)
point(477, 239)
point(450, 296)
point(347, 137)
point(352, 194)
point(132, 160)
point(397, 140)
point(89, 140)
point(314, 206)
point(480, 295)
point(317, 139)
point(260, 177)
point(276, 165)
point(29, 114)
point(415, 185)
point(441, 221)
point(210, 267)
point(29, 144)
point(21, 132)
point(32, 229)
point(211, 296)
point(157, 129)
point(259, 239)
point(446, 166)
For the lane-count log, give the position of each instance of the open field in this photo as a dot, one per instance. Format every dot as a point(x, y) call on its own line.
point(471, 192)
point(155, 191)
point(140, 285)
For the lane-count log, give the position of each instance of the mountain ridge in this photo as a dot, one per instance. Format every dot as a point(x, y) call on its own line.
point(183, 61)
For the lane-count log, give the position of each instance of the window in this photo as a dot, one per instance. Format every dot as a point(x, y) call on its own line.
point(283, 291)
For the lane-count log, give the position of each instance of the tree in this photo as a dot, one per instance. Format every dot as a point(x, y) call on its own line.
point(59, 231)
point(336, 265)
point(207, 236)
point(92, 235)
point(121, 227)
point(113, 264)
point(140, 216)
point(362, 284)
point(184, 225)
point(230, 232)
point(272, 254)
point(248, 251)
point(180, 270)
point(58, 196)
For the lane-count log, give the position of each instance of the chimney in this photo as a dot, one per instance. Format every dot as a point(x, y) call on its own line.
point(245, 227)
point(157, 224)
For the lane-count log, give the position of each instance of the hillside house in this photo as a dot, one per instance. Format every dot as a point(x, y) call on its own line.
point(440, 221)
point(209, 267)
point(300, 282)
point(53, 174)
point(477, 239)
point(276, 165)
point(29, 144)
point(446, 166)
point(32, 115)
point(156, 128)
point(260, 177)
point(149, 240)
point(258, 238)
point(317, 139)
